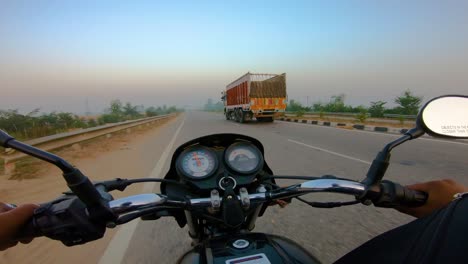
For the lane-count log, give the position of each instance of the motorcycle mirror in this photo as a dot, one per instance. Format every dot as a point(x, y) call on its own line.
point(445, 116)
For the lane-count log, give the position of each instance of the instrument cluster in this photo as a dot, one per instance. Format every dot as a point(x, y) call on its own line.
point(208, 167)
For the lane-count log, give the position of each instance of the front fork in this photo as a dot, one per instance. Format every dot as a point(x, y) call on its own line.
point(193, 228)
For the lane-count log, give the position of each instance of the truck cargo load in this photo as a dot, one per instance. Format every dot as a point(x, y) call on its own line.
point(259, 96)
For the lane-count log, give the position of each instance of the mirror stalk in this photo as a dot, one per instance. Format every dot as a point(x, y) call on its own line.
point(80, 185)
point(382, 160)
point(40, 154)
point(378, 167)
point(415, 132)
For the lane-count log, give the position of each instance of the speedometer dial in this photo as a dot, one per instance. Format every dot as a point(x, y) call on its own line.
point(243, 158)
point(198, 163)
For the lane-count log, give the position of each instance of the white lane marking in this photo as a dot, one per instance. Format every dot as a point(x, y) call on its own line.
point(374, 133)
point(330, 152)
point(118, 246)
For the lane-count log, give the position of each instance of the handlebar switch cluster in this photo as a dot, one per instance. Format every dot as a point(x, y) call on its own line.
point(67, 220)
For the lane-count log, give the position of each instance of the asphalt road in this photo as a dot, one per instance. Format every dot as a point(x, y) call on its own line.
point(297, 149)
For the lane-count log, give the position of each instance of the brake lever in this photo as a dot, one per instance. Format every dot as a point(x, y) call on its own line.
point(100, 187)
point(112, 185)
point(327, 204)
point(144, 214)
point(107, 186)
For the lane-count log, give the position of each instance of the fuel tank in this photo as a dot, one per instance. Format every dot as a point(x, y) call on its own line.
point(250, 248)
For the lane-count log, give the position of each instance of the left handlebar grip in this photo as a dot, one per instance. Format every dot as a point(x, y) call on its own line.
point(28, 231)
point(65, 219)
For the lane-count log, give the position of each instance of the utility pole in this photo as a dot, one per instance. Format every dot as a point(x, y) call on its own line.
point(87, 108)
point(307, 101)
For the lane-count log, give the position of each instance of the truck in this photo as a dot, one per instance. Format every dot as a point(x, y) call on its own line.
point(255, 95)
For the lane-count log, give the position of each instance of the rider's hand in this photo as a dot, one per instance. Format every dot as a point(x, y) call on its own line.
point(11, 221)
point(440, 194)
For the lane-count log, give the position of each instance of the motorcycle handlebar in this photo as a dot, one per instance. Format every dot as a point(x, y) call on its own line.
point(386, 194)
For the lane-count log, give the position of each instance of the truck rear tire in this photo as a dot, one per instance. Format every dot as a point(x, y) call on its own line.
point(236, 115)
point(228, 115)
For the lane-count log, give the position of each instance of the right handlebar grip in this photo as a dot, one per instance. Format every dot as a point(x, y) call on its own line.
point(413, 198)
point(393, 195)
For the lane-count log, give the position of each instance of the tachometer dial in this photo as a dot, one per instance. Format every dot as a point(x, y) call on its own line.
point(243, 158)
point(198, 163)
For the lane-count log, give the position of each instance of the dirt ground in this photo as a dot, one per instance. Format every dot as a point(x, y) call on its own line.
point(43, 182)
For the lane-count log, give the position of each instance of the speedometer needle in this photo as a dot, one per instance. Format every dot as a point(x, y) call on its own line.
point(197, 159)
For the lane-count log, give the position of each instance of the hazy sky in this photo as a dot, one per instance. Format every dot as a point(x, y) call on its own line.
point(55, 54)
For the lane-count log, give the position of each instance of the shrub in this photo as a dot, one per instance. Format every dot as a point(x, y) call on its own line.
point(362, 115)
point(300, 113)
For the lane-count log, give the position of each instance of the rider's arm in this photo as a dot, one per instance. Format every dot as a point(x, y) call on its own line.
point(11, 221)
point(440, 192)
point(436, 237)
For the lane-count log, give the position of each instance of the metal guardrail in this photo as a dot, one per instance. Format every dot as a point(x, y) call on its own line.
point(46, 139)
point(69, 138)
point(406, 120)
point(325, 113)
point(354, 114)
point(401, 116)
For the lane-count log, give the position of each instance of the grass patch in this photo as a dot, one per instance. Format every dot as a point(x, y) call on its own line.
point(26, 168)
point(32, 168)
